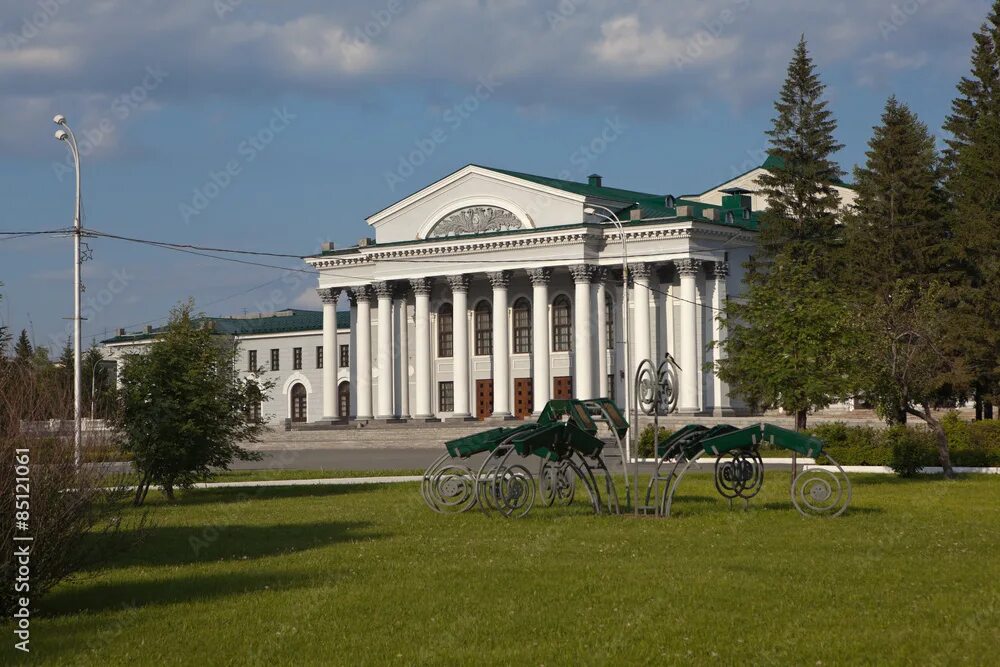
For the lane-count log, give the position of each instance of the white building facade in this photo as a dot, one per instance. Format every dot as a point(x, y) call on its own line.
point(490, 292)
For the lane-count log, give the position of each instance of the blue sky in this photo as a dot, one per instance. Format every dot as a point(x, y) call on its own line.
point(275, 126)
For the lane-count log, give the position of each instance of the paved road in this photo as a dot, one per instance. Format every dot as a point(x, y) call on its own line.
point(355, 458)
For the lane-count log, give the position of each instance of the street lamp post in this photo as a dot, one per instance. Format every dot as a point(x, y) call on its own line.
point(630, 409)
point(64, 133)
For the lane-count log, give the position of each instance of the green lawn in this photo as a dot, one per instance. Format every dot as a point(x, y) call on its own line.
point(367, 574)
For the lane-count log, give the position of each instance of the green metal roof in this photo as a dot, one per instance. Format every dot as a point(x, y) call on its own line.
point(281, 322)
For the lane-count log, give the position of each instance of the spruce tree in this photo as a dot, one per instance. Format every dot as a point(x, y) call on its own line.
point(23, 350)
point(800, 220)
point(897, 243)
point(788, 340)
point(974, 189)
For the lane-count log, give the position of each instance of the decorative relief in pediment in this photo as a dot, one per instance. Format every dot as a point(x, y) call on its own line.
point(475, 220)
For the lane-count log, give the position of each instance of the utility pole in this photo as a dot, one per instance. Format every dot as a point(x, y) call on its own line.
point(64, 133)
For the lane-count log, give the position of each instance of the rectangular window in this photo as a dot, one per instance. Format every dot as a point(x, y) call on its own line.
point(446, 333)
point(274, 360)
point(446, 396)
point(345, 356)
point(611, 387)
point(319, 356)
point(252, 361)
point(296, 358)
point(483, 321)
point(252, 413)
point(562, 330)
point(522, 330)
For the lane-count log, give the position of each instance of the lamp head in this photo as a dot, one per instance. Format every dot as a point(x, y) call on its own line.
point(59, 119)
point(62, 135)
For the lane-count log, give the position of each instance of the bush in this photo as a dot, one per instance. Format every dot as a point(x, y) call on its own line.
point(75, 516)
point(910, 450)
point(645, 446)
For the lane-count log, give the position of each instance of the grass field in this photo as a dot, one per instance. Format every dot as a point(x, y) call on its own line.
point(349, 575)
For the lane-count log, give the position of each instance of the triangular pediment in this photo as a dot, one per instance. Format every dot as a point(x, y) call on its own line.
point(475, 200)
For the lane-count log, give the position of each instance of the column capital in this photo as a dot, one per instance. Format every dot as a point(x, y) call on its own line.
point(721, 270)
point(360, 293)
point(688, 266)
point(459, 283)
point(540, 276)
point(384, 289)
point(582, 273)
point(499, 279)
point(640, 270)
point(329, 295)
point(420, 285)
point(601, 274)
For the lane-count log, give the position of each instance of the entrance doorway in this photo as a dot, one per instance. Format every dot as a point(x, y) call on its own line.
point(523, 400)
point(299, 403)
point(344, 400)
point(562, 387)
point(484, 399)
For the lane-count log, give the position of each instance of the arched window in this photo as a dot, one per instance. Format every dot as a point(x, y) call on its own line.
point(484, 328)
point(522, 326)
point(446, 336)
point(610, 321)
point(562, 327)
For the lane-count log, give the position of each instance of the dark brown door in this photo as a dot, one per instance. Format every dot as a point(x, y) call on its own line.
point(562, 387)
point(484, 398)
point(523, 400)
point(344, 399)
point(298, 403)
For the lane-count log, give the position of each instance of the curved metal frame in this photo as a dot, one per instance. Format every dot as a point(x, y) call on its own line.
point(808, 508)
point(435, 489)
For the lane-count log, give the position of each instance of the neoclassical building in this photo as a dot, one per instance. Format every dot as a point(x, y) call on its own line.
point(488, 292)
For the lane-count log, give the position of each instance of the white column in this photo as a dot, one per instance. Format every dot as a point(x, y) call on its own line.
point(643, 350)
point(689, 402)
point(460, 337)
point(583, 354)
point(383, 291)
point(403, 357)
point(722, 405)
point(600, 276)
point(422, 352)
point(541, 383)
point(329, 297)
point(501, 354)
point(363, 353)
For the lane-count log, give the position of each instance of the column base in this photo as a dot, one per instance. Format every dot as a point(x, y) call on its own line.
point(690, 412)
point(501, 417)
point(331, 420)
point(723, 412)
point(427, 419)
point(389, 420)
point(460, 418)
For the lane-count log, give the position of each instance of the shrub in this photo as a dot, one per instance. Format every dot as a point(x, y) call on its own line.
point(74, 515)
point(911, 450)
point(645, 446)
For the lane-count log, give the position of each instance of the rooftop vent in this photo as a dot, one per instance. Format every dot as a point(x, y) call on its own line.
point(635, 214)
point(669, 201)
point(711, 213)
point(121, 332)
point(366, 242)
point(326, 246)
point(685, 211)
point(594, 180)
point(149, 328)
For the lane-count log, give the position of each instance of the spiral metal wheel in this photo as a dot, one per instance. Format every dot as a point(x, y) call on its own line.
point(667, 382)
point(452, 489)
point(821, 492)
point(739, 474)
point(513, 491)
point(647, 388)
point(556, 483)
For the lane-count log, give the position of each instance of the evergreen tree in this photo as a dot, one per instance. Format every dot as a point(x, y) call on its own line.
point(800, 220)
point(974, 188)
point(788, 339)
point(23, 350)
point(898, 242)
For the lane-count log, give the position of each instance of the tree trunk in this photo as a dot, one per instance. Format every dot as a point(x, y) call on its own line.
point(987, 409)
point(941, 437)
point(168, 491)
point(978, 401)
point(800, 420)
point(139, 495)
